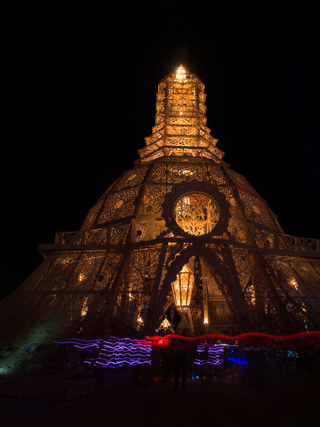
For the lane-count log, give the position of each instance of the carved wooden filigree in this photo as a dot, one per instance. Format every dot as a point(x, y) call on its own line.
point(139, 242)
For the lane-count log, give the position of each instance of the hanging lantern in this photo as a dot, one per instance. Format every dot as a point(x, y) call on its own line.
point(182, 289)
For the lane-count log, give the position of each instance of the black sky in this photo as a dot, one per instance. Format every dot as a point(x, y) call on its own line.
point(80, 85)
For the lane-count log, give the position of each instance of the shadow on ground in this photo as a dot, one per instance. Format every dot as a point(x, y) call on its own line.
point(158, 404)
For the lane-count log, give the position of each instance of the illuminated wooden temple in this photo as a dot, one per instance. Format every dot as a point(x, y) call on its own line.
point(179, 236)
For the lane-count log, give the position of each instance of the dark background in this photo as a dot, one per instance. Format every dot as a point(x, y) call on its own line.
point(80, 85)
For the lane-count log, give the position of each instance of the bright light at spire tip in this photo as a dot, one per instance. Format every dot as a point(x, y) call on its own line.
point(180, 73)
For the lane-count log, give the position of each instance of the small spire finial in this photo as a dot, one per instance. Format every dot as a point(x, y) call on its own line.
point(181, 72)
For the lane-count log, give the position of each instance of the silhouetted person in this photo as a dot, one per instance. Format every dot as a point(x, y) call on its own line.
point(181, 362)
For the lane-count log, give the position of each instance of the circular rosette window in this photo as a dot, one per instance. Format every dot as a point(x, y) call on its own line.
point(196, 209)
point(196, 214)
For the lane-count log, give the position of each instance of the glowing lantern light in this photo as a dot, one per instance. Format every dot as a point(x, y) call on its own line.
point(182, 289)
point(166, 325)
point(294, 284)
point(85, 307)
point(205, 315)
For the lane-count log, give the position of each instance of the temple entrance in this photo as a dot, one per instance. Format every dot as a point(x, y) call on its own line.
point(196, 303)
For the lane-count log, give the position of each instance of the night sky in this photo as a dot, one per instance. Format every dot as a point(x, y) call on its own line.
point(80, 87)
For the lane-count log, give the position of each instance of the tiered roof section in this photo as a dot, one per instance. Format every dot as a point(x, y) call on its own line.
point(180, 128)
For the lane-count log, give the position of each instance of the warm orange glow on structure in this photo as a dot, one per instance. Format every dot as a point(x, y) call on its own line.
point(180, 128)
point(196, 214)
point(180, 234)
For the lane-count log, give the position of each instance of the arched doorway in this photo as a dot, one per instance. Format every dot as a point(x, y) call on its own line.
point(203, 296)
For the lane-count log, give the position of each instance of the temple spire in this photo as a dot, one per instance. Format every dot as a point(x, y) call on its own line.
point(180, 126)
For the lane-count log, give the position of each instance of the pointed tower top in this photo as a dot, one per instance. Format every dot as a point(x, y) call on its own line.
point(180, 73)
point(180, 128)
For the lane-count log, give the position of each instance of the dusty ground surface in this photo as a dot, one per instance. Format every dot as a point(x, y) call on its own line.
point(215, 402)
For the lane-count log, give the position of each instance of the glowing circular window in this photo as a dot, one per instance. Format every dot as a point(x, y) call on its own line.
point(196, 214)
